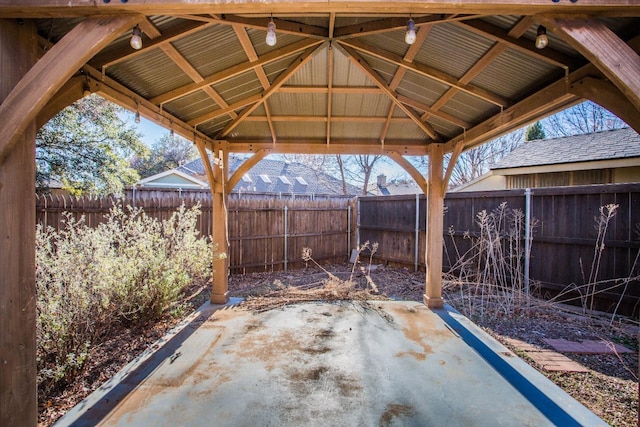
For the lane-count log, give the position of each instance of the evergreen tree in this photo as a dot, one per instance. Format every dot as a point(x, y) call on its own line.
point(169, 152)
point(535, 131)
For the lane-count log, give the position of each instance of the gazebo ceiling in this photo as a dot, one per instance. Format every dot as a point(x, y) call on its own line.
point(336, 77)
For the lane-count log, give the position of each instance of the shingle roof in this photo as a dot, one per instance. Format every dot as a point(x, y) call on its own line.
point(312, 182)
point(605, 145)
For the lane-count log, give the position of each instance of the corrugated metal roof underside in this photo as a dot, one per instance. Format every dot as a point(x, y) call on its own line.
point(275, 68)
point(452, 49)
point(212, 50)
point(385, 69)
point(469, 108)
point(258, 40)
point(420, 88)
point(392, 41)
point(253, 130)
point(239, 87)
point(358, 130)
point(443, 127)
point(303, 104)
point(294, 130)
point(149, 74)
point(360, 104)
point(191, 106)
point(511, 73)
point(406, 131)
point(212, 127)
point(345, 73)
point(314, 72)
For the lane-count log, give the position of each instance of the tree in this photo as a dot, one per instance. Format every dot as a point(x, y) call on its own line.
point(586, 117)
point(535, 131)
point(169, 152)
point(475, 162)
point(86, 146)
point(360, 169)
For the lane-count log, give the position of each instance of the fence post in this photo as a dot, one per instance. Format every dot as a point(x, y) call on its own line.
point(417, 237)
point(286, 232)
point(527, 238)
point(358, 224)
point(349, 230)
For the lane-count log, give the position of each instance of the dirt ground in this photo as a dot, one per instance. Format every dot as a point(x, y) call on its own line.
point(609, 389)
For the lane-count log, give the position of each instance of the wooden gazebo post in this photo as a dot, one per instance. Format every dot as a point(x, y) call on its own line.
point(219, 293)
point(435, 228)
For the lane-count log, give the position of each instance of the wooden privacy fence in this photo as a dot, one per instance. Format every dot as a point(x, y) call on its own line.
point(266, 233)
point(563, 242)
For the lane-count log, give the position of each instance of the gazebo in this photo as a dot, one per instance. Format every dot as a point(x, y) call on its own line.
point(396, 78)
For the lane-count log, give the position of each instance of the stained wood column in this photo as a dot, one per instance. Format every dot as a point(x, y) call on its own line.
point(18, 402)
point(219, 294)
point(435, 228)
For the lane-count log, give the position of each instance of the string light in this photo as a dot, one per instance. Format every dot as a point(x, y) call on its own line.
point(271, 39)
point(136, 38)
point(410, 35)
point(541, 39)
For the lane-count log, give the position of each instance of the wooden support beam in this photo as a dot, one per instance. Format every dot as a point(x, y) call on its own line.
point(282, 25)
point(330, 91)
point(355, 90)
point(356, 59)
point(455, 155)
point(235, 70)
point(320, 146)
point(493, 32)
point(220, 288)
point(72, 91)
point(386, 25)
point(18, 372)
point(244, 168)
point(435, 228)
point(603, 48)
point(306, 56)
point(426, 71)
point(225, 111)
point(52, 71)
point(410, 169)
point(605, 94)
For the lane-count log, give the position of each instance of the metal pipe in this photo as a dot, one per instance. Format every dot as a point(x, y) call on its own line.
point(286, 232)
point(527, 238)
point(417, 237)
point(349, 230)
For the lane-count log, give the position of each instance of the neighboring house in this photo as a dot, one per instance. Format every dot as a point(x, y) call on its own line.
point(606, 157)
point(267, 176)
point(173, 178)
point(383, 188)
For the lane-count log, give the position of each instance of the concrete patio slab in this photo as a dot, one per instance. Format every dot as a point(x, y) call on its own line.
point(329, 364)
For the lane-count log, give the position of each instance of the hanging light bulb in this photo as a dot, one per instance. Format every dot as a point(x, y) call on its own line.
point(541, 39)
point(271, 33)
point(136, 38)
point(410, 35)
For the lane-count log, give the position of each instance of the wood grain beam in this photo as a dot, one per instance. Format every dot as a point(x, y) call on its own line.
point(125, 52)
point(228, 110)
point(330, 91)
point(52, 71)
point(527, 47)
point(607, 95)
point(391, 24)
point(410, 169)
point(549, 100)
point(282, 25)
point(426, 71)
point(356, 59)
point(244, 168)
point(521, 27)
point(603, 48)
point(235, 70)
point(320, 146)
point(455, 155)
point(57, 8)
point(354, 90)
point(72, 91)
point(324, 119)
point(306, 56)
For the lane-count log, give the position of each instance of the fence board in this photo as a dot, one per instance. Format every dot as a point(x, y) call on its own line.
point(564, 241)
point(255, 224)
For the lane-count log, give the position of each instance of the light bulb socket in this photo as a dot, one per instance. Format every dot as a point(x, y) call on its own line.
point(136, 38)
point(137, 118)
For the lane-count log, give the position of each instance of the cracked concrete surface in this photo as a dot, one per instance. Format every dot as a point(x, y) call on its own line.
point(330, 364)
